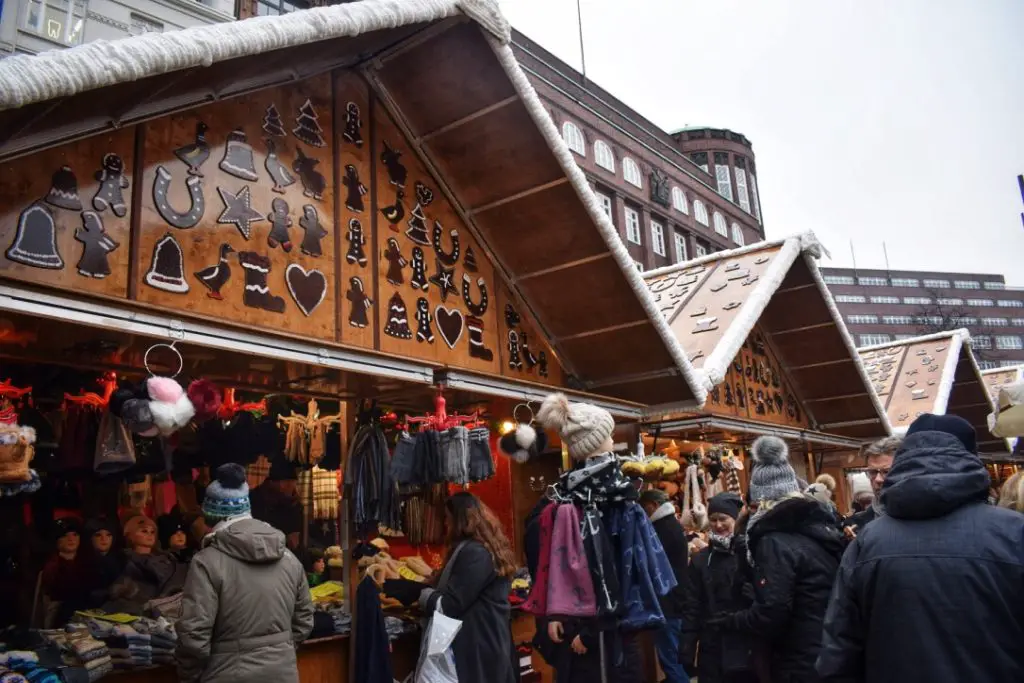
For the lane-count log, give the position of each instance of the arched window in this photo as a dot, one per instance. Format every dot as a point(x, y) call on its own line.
point(699, 212)
point(720, 227)
point(679, 200)
point(737, 234)
point(603, 156)
point(574, 138)
point(631, 172)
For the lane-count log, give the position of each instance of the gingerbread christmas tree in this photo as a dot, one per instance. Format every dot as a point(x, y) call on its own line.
point(307, 127)
point(272, 124)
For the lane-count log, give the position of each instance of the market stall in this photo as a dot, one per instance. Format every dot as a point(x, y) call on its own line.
point(769, 347)
point(995, 379)
point(352, 252)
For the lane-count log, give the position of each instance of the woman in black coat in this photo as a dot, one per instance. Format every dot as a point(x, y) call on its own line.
point(473, 587)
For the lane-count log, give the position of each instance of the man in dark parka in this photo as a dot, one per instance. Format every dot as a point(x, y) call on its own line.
point(934, 589)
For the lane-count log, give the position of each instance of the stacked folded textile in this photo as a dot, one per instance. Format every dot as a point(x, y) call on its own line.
point(25, 664)
point(8, 676)
point(92, 655)
point(129, 649)
point(162, 638)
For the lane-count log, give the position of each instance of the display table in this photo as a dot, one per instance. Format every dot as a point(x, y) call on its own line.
point(323, 660)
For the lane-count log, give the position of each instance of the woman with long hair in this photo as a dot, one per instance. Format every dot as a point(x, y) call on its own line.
point(1011, 495)
point(473, 587)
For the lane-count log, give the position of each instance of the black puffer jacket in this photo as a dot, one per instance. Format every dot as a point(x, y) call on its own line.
point(934, 589)
point(796, 550)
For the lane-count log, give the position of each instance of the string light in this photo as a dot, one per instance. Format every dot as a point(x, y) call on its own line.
point(507, 426)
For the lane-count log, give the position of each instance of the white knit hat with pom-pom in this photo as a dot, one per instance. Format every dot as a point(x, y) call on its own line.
point(772, 477)
point(582, 427)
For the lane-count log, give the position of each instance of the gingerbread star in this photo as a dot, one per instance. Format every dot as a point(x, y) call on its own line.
point(444, 278)
point(238, 210)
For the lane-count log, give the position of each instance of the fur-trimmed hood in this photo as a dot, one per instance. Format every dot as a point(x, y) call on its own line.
point(799, 514)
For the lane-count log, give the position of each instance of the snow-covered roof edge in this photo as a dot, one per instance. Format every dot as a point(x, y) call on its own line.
point(808, 242)
point(1019, 369)
point(25, 79)
point(962, 333)
point(698, 381)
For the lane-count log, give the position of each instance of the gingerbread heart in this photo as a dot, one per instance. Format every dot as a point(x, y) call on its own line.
point(450, 324)
point(308, 288)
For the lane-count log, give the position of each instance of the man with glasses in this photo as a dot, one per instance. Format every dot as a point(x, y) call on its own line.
point(878, 457)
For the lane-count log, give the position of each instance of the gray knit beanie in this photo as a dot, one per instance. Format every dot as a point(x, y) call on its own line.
point(772, 477)
point(582, 427)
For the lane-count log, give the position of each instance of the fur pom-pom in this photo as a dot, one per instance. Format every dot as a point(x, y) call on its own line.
point(770, 450)
point(137, 416)
point(170, 417)
point(526, 436)
point(205, 398)
point(118, 399)
point(554, 411)
point(231, 475)
point(509, 446)
point(164, 389)
point(828, 481)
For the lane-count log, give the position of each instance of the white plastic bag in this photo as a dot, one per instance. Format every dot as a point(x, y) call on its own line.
point(437, 659)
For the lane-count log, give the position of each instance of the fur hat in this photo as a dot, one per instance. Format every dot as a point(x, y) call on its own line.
point(583, 427)
point(228, 495)
point(205, 398)
point(772, 477)
point(169, 404)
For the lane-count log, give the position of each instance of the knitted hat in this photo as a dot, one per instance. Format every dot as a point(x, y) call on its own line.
point(726, 503)
point(583, 427)
point(228, 495)
point(947, 424)
point(772, 477)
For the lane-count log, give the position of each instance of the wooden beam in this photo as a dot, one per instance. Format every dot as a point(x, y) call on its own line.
point(516, 196)
point(836, 398)
point(805, 328)
point(604, 330)
point(563, 266)
point(851, 423)
point(635, 377)
point(819, 365)
point(796, 288)
point(500, 104)
point(415, 40)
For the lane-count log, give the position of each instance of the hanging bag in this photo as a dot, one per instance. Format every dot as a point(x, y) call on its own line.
point(437, 657)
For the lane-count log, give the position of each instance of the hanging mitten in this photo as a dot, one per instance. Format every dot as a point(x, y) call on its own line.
point(170, 406)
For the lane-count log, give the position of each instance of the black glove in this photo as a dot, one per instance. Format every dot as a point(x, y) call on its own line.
point(719, 622)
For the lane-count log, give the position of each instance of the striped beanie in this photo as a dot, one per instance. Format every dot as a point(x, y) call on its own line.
point(228, 495)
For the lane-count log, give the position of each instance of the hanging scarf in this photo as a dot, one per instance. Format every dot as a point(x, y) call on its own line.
point(601, 559)
point(570, 587)
point(596, 482)
point(537, 603)
point(645, 571)
point(369, 483)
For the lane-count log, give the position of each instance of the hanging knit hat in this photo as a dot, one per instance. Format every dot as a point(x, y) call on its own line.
point(583, 427)
point(228, 495)
point(772, 477)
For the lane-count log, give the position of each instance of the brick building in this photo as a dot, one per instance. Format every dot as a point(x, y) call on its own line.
point(886, 305)
point(672, 196)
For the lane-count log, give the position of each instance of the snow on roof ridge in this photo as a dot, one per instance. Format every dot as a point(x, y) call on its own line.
point(962, 333)
point(808, 243)
point(26, 79)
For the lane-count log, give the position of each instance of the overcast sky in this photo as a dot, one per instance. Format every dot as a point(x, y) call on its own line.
point(874, 120)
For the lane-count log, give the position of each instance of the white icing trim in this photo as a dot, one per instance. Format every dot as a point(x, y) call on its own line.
point(153, 277)
point(448, 313)
point(306, 274)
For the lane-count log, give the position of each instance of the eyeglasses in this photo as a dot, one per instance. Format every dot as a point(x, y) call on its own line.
point(879, 473)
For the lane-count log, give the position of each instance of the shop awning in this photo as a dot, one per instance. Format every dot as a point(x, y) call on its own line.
point(446, 72)
point(712, 305)
point(731, 430)
point(934, 373)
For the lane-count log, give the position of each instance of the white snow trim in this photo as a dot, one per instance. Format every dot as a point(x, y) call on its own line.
point(959, 341)
point(697, 380)
point(812, 265)
point(1019, 369)
point(962, 333)
point(25, 79)
point(717, 364)
point(808, 242)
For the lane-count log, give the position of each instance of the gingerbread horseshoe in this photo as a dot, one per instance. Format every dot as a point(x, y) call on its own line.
point(475, 309)
point(448, 259)
point(178, 219)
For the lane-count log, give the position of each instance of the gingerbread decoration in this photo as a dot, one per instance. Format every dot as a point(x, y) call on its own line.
point(195, 154)
point(35, 243)
point(477, 309)
point(313, 182)
point(353, 125)
point(110, 193)
point(512, 318)
point(307, 287)
point(423, 320)
point(280, 221)
point(178, 219)
point(394, 213)
point(514, 360)
point(307, 126)
point(356, 243)
point(276, 169)
point(64, 190)
point(97, 245)
point(417, 231)
point(398, 319)
point(238, 211)
point(361, 302)
point(542, 364)
point(216, 276)
point(272, 123)
point(476, 339)
point(424, 195)
point(397, 173)
point(356, 190)
point(450, 324)
point(469, 263)
point(447, 258)
point(419, 270)
point(524, 345)
point(256, 269)
point(444, 278)
point(396, 262)
point(167, 267)
point(312, 231)
point(238, 157)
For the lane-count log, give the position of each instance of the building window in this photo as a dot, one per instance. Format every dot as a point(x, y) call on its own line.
point(937, 284)
point(141, 24)
point(720, 227)
point(639, 266)
point(737, 234)
point(949, 301)
point(935, 320)
point(914, 300)
point(701, 159)
point(722, 176)
point(905, 282)
point(901, 337)
point(1017, 322)
point(699, 249)
point(658, 238)
point(885, 299)
point(963, 320)
point(862, 319)
point(1009, 342)
point(979, 302)
point(680, 245)
point(741, 189)
point(966, 284)
point(574, 138)
point(754, 198)
point(851, 299)
point(872, 339)
point(277, 6)
point(632, 226)
point(57, 22)
point(700, 212)
point(995, 322)
point(982, 341)
point(603, 156)
point(1009, 363)
point(606, 204)
point(897, 320)
point(994, 285)
point(631, 172)
point(872, 281)
point(989, 364)
point(679, 200)
point(839, 280)
point(1010, 303)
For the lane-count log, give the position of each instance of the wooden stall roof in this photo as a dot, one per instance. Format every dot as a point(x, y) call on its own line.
point(713, 303)
point(996, 378)
point(446, 73)
point(934, 373)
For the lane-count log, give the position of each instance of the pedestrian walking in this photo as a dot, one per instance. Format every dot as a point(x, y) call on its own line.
point(713, 585)
point(878, 458)
point(662, 514)
point(473, 587)
point(794, 550)
point(246, 604)
point(934, 589)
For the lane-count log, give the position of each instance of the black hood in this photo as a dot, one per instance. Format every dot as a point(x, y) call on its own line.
point(932, 475)
point(798, 515)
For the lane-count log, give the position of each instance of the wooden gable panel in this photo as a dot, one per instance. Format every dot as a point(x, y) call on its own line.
point(908, 378)
point(525, 353)
point(70, 229)
point(629, 350)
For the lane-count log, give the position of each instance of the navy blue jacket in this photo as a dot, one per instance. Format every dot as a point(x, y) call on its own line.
point(933, 590)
